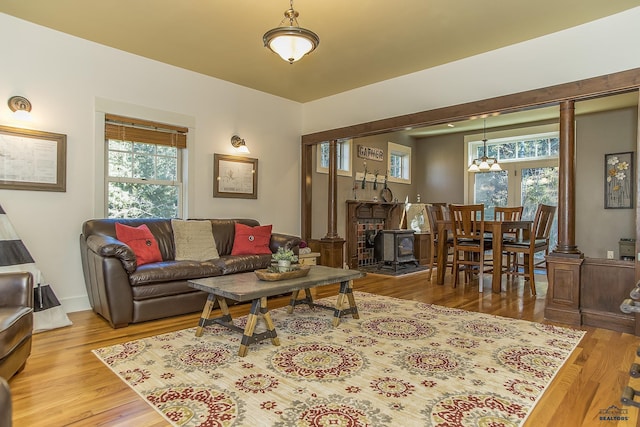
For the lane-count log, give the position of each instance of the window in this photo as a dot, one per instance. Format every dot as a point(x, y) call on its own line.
point(521, 148)
point(144, 168)
point(399, 165)
point(343, 148)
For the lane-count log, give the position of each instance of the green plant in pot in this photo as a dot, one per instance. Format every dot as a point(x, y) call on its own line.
point(284, 257)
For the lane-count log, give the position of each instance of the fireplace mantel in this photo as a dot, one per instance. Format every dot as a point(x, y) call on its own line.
point(365, 215)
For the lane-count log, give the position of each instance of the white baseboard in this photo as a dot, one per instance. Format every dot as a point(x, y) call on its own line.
point(75, 304)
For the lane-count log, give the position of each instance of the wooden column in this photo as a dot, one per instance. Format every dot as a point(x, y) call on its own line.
point(567, 178)
point(306, 193)
point(563, 263)
point(332, 205)
point(332, 245)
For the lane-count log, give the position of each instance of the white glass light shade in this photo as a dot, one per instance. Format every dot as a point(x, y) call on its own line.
point(473, 168)
point(22, 115)
point(291, 43)
point(484, 166)
point(242, 149)
point(495, 167)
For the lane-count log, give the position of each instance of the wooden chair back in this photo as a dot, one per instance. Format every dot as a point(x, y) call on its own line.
point(538, 241)
point(434, 213)
point(469, 245)
point(543, 221)
point(467, 222)
point(507, 213)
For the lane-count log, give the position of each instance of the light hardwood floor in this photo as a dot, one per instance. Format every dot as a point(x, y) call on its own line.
point(65, 384)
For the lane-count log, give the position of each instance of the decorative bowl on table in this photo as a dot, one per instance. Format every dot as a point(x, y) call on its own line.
point(274, 273)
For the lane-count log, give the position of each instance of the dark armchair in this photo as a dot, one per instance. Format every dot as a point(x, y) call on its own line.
point(16, 321)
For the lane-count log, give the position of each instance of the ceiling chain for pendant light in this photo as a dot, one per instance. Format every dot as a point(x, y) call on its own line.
point(291, 42)
point(484, 163)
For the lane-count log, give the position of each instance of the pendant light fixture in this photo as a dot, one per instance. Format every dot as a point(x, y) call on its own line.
point(291, 42)
point(485, 163)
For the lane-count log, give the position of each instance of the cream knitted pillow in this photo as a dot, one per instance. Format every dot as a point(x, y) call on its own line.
point(193, 240)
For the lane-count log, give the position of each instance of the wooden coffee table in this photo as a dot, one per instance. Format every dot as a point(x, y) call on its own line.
point(247, 287)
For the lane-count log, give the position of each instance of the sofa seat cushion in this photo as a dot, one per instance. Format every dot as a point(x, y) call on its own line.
point(163, 289)
point(16, 324)
point(173, 270)
point(242, 263)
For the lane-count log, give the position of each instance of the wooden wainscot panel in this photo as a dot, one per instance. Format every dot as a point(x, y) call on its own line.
point(563, 293)
point(364, 211)
point(381, 211)
point(422, 247)
point(605, 284)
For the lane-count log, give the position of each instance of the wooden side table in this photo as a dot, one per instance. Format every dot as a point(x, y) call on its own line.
point(308, 259)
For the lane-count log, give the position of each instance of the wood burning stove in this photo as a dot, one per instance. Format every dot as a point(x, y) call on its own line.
point(393, 248)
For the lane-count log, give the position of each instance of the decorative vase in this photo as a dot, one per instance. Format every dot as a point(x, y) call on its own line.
point(284, 265)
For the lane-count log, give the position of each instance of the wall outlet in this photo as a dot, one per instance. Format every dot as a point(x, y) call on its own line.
point(609, 254)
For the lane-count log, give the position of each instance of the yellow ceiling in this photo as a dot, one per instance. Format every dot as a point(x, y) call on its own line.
point(361, 41)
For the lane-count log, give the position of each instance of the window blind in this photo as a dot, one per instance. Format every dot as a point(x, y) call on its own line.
point(131, 129)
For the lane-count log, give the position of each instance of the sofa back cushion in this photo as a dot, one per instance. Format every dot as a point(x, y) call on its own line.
point(224, 231)
point(159, 227)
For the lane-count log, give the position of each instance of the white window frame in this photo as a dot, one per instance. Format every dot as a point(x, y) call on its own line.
point(344, 147)
point(474, 145)
point(404, 152)
point(177, 183)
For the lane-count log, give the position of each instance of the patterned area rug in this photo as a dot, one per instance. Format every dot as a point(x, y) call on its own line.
point(402, 363)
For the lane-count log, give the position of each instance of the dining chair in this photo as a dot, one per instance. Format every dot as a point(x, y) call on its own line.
point(469, 241)
point(536, 241)
point(434, 213)
point(508, 213)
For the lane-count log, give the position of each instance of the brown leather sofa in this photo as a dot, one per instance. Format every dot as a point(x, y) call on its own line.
point(16, 321)
point(123, 293)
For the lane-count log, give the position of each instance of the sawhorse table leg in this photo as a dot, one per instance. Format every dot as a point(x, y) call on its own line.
point(346, 290)
point(206, 313)
point(258, 306)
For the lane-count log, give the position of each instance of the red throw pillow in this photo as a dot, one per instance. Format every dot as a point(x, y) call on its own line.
point(251, 240)
point(141, 241)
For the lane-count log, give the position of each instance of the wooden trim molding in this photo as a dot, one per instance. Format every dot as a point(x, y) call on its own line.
point(594, 87)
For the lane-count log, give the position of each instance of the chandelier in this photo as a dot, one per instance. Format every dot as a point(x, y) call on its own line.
point(484, 163)
point(291, 42)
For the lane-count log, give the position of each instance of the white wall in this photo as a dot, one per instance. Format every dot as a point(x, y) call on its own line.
point(601, 47)
point(71, 82)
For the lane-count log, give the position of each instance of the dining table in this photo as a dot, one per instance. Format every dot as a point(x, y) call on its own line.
point(497, 229)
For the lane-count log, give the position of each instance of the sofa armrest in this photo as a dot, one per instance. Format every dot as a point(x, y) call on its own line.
point(286, 241)
point(110, 247)
point(16, 289)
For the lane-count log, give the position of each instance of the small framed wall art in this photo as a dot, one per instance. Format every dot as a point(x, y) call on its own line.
point(32, 160)
point(235, 177)
point(618, 180)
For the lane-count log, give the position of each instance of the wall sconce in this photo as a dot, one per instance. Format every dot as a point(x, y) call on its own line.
point(239, 144)
point(21, 107)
